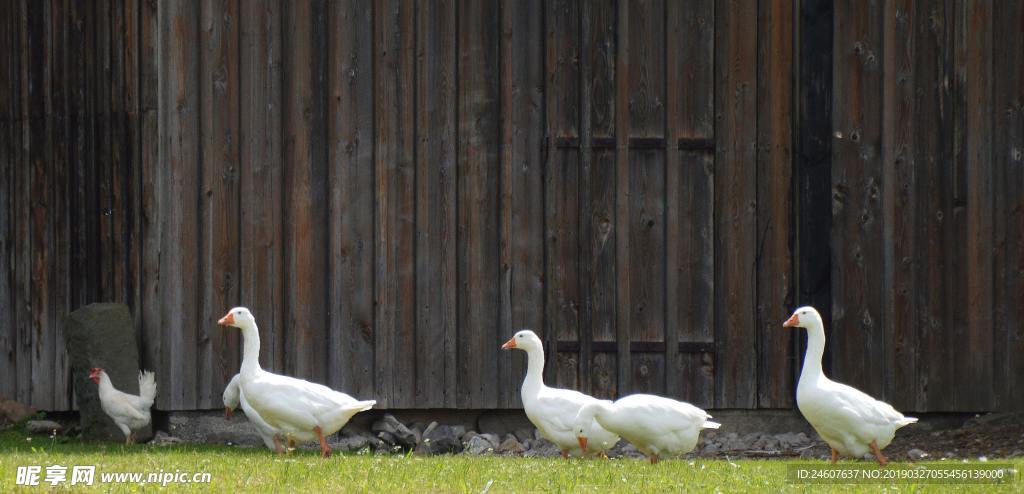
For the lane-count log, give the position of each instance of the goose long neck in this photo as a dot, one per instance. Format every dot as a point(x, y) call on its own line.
point(250, 348)
point(534, 370)
point(815, 350)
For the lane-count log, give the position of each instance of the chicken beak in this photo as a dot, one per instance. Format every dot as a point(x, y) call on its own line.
point(792, 322)
point(228, 320)
point(582, 441)
point(228, 412)
point(511, 343)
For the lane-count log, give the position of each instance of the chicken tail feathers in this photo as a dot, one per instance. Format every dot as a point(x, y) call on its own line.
point(147, 388)
point(710, 425)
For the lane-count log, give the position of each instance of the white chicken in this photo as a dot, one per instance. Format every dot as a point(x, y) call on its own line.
point(129, 412)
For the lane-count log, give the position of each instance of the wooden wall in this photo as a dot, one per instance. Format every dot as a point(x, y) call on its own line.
point(394, 187)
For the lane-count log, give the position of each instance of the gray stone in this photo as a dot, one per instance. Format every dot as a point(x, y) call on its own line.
point(213, 428)
point(458, 430)
point(440, 440)
point(103, 335)
point(352, 443)
point(163, 439)
point(916, 454)
point(524, 433)
point(387, 437)
point(479, 445)
point(791, 440)
point(42, 427)
point(403, 436)
point(625, 449)
point(511, 446)
point(543, 448)
point(427, 429)
point(468, 436)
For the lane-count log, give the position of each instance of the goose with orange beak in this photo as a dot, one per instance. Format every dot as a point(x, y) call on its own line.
point(296, 409)
point(851, 422)
point(552, 410)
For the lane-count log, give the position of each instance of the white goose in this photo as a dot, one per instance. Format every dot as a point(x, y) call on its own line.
point(552, 410)
point(850, 421)
point(233, 397)
point(654, 424)
point(298, 409)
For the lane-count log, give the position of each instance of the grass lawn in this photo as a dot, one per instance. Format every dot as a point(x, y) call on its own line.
point(257, 470)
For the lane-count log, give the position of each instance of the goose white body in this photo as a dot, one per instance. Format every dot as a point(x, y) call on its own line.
point(233, 398)
point(656, 425)
point(293, 407)
point(846, 418)
point(553, 410)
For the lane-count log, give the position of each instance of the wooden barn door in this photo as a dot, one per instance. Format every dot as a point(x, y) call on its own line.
point(667, 199)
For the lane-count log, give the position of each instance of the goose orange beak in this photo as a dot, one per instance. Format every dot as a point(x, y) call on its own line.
point(227, 320)
point(792, 322)
point(582, 441)
point(228, 412)
point(511, 343)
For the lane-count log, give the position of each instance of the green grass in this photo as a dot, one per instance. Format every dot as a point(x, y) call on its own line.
point(257, 470)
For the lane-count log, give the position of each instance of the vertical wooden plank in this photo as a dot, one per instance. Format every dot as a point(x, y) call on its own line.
point(689, 177)
point(597, 191)
point(899, 206)
point(622, 173)
point(478, 186)
point(774, 261)
point(219, 207)
point(933, 148)
point(21, 199)
point(260, 236)
point(40, 160)
point(522, 241)
point(151, 188)
point(814, 165)
point(436, 205)
point(735, 204)
point(131, 166)
point(9, 128)
point(180, 169)
point(304, 223)
point(394, 115)
point(103, 246)
point(857, 330)
point(976, 29)
point(58, 215)
point(562, 179)
point(647, 221)
point(1008, 154)
point(351, 178)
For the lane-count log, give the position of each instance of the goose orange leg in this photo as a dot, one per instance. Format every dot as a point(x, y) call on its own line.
point(835, 456)
point(277, 445)
point(565, 454)
point(882, 460)
point(654, 459)
point(325, 450)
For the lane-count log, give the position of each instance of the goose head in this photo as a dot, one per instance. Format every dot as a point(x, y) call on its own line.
point(804, 317)
point(239, 317)
point(584, 421)
point(525, 340)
